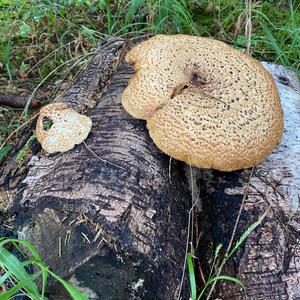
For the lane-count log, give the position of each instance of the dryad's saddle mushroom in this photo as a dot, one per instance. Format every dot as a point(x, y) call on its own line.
point(65, 129)
point(205, 103)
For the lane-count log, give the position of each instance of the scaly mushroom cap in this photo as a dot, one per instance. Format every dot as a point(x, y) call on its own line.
point(205, 103)
point(67, 128)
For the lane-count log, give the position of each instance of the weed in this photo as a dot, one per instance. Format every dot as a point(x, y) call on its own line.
point(4, 151)
point(19, 280)
point(8, 123)
point(25, 150)
point(5, 53)
point(31, 30)
point(281, 42)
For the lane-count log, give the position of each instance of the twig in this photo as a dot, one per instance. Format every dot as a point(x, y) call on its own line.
point(85, 237)
point(59, 247)
point(103, 160)
point(188, 233)
point(170, 170)
point(201, 272)
point(248, 26)
point(16, 101)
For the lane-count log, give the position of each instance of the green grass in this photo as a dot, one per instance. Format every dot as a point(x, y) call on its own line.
point(8, 123)
point(25, 150)
point(31, 30)
point(213, 276)
point(281, 42)
point(59, 30)
point(14, 274)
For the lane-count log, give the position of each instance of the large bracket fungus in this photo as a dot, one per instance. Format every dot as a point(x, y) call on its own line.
point(65, 129)
point(205, 103)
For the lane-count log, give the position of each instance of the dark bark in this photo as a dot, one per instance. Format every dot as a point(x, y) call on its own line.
point(112, 193)
point(268, 263)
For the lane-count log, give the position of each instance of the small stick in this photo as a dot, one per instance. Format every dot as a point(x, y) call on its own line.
point(188, 233)
point(59, 247)
point(85, 236)
point(103, 160)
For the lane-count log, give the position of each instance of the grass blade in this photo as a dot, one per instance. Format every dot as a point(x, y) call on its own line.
point(17, 271)
point(222, 277)
point(245, 235)
point(189, 259)
point(20, 285)
point(280, 54)
point(72, 291)
point(133, 8)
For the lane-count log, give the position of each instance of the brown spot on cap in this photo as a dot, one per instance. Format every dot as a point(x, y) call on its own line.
point(205, 103)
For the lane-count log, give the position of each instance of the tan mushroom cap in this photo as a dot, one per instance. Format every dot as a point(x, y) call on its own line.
point(68, 128)
point(205, 103)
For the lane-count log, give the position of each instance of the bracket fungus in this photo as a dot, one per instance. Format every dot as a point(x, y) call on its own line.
point(60, 128)
point(205, 103)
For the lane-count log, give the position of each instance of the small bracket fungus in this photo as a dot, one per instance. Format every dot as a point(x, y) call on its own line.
point(205, 103)
point(60, 128)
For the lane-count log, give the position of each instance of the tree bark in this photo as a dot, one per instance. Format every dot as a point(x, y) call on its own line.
point(115, 193)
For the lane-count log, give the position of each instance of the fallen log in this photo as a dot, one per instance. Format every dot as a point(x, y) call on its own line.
point(114, 195)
